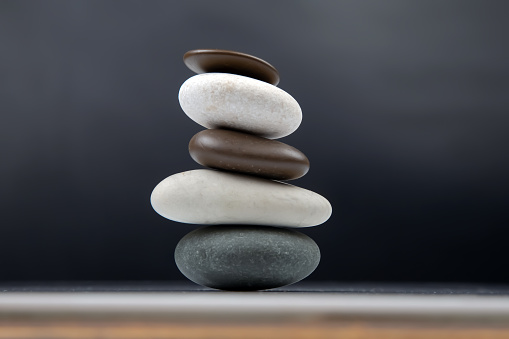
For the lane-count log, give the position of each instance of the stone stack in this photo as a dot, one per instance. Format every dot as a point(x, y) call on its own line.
point(251, 245)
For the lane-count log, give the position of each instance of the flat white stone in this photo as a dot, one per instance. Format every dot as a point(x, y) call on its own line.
point(221, 100)
point(212, 197)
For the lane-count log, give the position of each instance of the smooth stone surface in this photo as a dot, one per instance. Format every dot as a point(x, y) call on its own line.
point(214, 197)
point(230, 101)
point(223, 61)
point(244, 258)
point(249, 154)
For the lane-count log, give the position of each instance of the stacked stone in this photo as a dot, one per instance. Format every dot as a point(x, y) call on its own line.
point(251, 245)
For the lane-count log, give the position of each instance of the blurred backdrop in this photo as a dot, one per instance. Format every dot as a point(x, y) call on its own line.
point(405, 122)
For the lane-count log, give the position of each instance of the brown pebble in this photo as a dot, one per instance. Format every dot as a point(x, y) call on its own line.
point(249, 154)
point(223, 61)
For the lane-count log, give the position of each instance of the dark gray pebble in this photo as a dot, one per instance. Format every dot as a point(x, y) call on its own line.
point(246, 258)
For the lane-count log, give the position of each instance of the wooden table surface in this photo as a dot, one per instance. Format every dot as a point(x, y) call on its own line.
point(181, 310)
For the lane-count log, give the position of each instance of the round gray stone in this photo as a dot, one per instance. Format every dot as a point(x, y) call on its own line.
point(246, 258)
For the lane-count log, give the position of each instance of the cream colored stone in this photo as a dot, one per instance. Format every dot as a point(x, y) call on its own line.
point(221, 100)
point(212, 197)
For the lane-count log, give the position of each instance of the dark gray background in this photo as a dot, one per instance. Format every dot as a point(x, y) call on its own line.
point(405, 123)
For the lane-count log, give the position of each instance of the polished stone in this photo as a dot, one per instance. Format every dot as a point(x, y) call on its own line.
point(212, 197)
point(244, 258)
point(249, 154)
point(223, 61)
point(230, 101)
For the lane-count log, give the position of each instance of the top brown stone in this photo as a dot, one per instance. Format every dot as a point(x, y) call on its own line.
point(223, 61)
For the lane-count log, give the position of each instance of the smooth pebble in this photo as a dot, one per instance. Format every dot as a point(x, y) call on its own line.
point(212, 197)
point(230, 101)
point(223, 61)
point(247, 153)
point(245, 258)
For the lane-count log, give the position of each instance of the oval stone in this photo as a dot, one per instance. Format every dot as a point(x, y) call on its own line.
point(230, 101)
point(246, 258)
point(247, 153)
point(214, 197)
point(223, 61)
